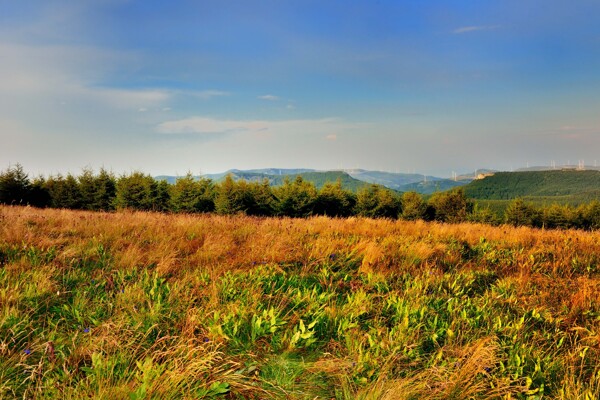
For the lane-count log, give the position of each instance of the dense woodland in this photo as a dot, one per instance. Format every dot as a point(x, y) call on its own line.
point(295, 197)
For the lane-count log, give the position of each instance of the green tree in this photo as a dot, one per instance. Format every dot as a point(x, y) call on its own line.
point(519, 213)
point(232, 197)
point(413, 206)
point(589, 215)
point(64, 192)
point(375, 201)
point(141, 192)
point(334, 201)
point(39, 195)
point(190, 195)
point(87, 189)
point(557, 216)
point(15, 187)
point(484, 215)
point(296, 198)
point(451, 206)
point(262, 199)
point(105, 191)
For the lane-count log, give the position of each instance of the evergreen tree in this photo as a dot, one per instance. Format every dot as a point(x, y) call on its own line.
point(519, 213)
point(262, 199)
point(140, 192)
point(451, 206)
point(334, 201)
point(232, 197)
point(296, 198)
point(106, 191)
point(191, 195)
point(374, 201)
point(15, 187)
point(413, 206)
point(64, 192)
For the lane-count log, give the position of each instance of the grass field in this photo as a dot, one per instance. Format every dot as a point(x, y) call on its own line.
point(142, 305)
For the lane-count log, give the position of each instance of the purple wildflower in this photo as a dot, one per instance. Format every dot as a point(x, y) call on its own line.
point(27, 351)
point(86, 330)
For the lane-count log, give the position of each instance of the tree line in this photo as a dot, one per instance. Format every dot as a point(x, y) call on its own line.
point(296, 197)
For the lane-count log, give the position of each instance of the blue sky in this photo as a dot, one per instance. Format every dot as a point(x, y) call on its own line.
point(167, 87)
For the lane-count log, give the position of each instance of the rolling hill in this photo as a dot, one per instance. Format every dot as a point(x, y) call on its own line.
point(561, 186)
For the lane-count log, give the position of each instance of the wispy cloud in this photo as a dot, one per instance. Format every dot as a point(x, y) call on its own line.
point(269, 97)
point(207, 125)
point(200, 125)
point(331, 137)
point(474, 28)
point(208, 94)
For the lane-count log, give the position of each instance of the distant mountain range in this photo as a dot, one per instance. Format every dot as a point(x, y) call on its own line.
point(351, 179)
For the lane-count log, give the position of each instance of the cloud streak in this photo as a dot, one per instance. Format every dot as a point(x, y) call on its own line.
point(474, 28)
point(200, 125)
point(269, 97)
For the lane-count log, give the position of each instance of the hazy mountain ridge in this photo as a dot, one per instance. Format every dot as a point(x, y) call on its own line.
point(351, 179)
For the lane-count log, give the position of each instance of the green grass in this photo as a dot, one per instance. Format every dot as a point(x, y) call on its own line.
point(491, 318)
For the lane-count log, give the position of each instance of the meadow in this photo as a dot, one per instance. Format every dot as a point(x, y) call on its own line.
point(142, 305)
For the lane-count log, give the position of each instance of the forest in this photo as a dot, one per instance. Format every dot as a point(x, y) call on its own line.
point(295, 197)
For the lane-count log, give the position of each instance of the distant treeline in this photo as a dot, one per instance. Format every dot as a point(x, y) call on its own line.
point(296, 197)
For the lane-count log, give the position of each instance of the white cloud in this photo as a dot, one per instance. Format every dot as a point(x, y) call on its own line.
point(331, 137)
point(475, 28)
point(290, 107)
point(269, 97)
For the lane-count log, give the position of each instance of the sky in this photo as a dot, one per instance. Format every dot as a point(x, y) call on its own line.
point(167, 87)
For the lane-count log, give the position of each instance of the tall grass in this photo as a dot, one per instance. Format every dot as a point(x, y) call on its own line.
point(142, 305)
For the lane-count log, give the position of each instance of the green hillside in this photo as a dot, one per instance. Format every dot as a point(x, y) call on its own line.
point(431, 187)
point(321, 178)
point(567, 187)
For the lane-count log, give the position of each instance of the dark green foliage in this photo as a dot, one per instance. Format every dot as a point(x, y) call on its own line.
point(519, 213)
point(334, 201)
point(584, 185)
point(141, 192)
point(263, 200)
point(15, 187)
point(39, 195)
point(484, 215)
point(64, 192)
point(589, 215)
point(191, 195)
point(557, 216)
point(105, 191)
point(377, 202)
point(232, 197)
point(243, 197)
point(451, 206)
point(413, 206)
point(296, 198)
